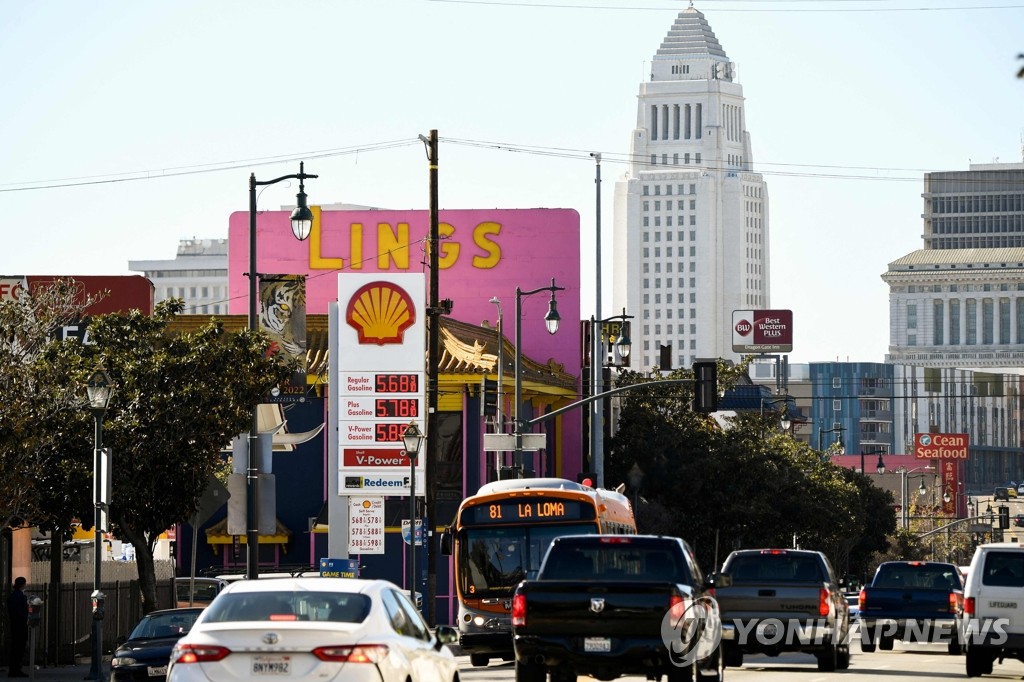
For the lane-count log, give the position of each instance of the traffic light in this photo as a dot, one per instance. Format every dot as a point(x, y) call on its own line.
point(705, 386)
point(489, 403)
point(1004, 518)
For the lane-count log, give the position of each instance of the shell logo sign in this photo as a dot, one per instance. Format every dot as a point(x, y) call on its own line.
point(940, 446)
point(380, 312)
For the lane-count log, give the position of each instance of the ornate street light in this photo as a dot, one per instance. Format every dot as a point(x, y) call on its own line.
point(623, 346)
point(302, 222)
point(412, 438)
point(100, 388)
point(551, 321)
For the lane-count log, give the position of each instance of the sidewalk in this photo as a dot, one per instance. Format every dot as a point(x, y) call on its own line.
point(60, 673)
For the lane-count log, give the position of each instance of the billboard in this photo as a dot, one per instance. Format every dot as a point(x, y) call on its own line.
point(941, 446)
point(762, 331)
point(483, 253)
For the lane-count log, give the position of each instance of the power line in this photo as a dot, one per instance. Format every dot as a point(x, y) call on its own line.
point(548, 5)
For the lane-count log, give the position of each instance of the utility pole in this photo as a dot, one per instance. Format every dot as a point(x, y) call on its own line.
point(433, 359)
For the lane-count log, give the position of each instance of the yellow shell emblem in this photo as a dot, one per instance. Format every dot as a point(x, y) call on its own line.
point(380, 312)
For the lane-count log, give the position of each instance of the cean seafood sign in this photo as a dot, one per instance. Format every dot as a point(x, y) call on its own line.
point(940, 446)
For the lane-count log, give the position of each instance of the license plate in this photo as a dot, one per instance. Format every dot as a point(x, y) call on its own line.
point(271, 665)
point(597, 644)
point(160, 671)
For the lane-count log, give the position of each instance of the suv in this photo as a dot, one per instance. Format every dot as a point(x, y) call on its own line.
point(1002, 493)
point(993, 620)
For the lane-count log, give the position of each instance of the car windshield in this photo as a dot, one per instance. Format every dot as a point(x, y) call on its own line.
point(338, 607)
point(157, 625)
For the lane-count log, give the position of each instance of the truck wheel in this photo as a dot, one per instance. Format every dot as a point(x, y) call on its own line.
point(732, 655)
point(843, 657)
point(563, 674)
point(712, 668)
point(885, 643)
point(479, 660)
point(530, 672)
point(677, 673)
point(976, 663)
point(828, 658)
point(954, 647)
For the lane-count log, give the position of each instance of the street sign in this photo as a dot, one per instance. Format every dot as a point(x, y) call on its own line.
point(339, 568)
point(506, 442)
point(214, 497)
point(419, 531)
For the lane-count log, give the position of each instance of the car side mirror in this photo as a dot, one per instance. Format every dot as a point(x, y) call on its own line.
point(721, 580)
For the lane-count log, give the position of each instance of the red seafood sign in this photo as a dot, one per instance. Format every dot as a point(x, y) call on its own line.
point(940, 446)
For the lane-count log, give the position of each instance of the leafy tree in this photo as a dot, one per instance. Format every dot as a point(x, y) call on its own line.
point(178, 401)
point(745, 485)
point(33, 430)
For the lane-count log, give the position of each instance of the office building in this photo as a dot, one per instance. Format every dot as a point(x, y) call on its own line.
point(198, 274)
point(959, 301)
point(691, 217)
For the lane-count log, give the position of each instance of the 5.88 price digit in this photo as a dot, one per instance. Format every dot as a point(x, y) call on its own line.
point(389, 433)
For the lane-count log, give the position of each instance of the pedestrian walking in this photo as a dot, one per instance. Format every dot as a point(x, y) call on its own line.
point(17, 616)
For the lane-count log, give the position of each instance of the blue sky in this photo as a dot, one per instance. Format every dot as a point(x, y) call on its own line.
point(165, 109)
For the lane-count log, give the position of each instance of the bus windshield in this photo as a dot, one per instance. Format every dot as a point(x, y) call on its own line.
point(499, 558)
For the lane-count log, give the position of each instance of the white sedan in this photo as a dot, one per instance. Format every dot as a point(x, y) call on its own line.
point(323, 628)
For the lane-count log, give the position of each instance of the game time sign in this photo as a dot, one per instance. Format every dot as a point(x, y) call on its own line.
point(381, 382)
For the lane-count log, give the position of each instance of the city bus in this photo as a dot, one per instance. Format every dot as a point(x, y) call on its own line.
point(499, 538)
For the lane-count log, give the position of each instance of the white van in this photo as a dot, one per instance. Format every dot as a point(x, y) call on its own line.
point(993, 620)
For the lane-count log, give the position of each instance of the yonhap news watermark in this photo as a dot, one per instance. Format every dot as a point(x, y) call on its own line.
point(693, 630)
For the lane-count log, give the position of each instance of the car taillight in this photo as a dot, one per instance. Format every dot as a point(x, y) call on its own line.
point(861, 598)
point(969, 606)
point(677, 607)
point(823, 602)
point(198, 653)
point(364, 653)
point(519, 610)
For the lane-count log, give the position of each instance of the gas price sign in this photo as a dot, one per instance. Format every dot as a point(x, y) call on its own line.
point(366, 525)
point(381, 379)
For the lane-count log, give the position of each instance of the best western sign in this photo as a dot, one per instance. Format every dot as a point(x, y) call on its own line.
point(940, 446)
point(762, 331)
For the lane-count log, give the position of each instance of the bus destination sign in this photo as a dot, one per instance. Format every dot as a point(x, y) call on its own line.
point(524, 510)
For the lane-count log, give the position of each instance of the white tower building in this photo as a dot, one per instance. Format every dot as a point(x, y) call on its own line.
point(691, 219)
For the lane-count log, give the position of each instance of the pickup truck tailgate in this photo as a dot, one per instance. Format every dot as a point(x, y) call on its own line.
point(910, 603)
point(608, 609)
point(770, 600)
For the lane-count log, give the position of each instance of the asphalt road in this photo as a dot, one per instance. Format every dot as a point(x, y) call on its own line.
point(905, 663)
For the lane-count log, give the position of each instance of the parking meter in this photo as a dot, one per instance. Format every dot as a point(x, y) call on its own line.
point(99, 605)
point(35, 611)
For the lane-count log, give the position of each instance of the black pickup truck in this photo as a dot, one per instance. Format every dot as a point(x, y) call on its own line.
point(614, 605)
point(913, 601)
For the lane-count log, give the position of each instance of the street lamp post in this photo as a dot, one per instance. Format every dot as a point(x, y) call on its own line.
point(785, 422)
point(99, 388)
point(841, 449)
point(624, 345)
point(501, 374)
point(412, 438)
point(302, 222)
point(905, 493)
point(551, 320)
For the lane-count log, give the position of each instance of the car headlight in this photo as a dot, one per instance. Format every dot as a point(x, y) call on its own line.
point(122, 660)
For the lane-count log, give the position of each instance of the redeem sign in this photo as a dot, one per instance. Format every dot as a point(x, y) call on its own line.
point(940, 446)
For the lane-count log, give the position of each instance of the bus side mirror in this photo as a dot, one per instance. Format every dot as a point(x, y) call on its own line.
point(446, 542)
